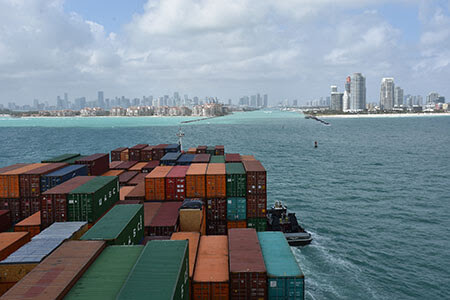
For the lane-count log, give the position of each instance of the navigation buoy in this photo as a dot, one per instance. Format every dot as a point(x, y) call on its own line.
point(315, 144)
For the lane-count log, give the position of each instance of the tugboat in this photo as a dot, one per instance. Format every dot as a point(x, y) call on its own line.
point(278, 219)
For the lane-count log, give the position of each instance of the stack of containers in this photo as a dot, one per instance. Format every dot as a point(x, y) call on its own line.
point(155, 184)
point(216, 202)
point(97, 163)
point(211, 276)
point(285, 279)
point(32, 224)
point(161, 272)
point(22, 261)
point(62, 175)
point(159, 151)
point(115, 154)
point(135, 152)
point(248, 277)
point(30, 188)
point(176, 183)
point(165, 222)
point(53, 278)
point(90, 201)
point(196, 181)
point(147, 153)
point(54, 201)
point(256, 195)
point(170, 159)
point(236, 191)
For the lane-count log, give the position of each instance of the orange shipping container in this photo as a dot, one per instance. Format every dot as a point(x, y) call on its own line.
point(237, 224)
point(138, 167)
point(9, 181)
point(124, 191)
point(211, 276)
point(192, 150)
point(113, 173)
point(194, 239)
point(155, 183)
point(11, 241)
point(216, 181)
point(124, 155)
point(196, 181)
point(32, 224)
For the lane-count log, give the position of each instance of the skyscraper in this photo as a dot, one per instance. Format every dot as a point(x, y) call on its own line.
point(258, 100)
point(358, 92)
point(100, 100)
point(346, 96)
point(336, 101)
point(266, 100)
point(398, 96)
point(253, 101)
point(387, 92)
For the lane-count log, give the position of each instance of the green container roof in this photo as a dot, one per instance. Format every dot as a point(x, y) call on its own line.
point(94, 185)
point(61, 158)
point(113, 223)
point(278, 257)
point(235, 168)
point(217, 159)
point(106, 275)
point(210, 148)
point(74, 159)
point(156, 272)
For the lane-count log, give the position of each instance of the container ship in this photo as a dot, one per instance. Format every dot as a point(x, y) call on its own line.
point(142, 222)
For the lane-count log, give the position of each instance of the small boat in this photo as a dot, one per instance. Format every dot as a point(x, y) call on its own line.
point(278, 219)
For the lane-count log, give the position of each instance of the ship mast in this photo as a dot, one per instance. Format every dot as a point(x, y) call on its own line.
point(180, 135)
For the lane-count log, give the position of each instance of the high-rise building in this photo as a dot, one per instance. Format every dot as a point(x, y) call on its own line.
point(336, 101)
point(253, 101)
point(358, 92)
point(100, 99)
point(346, 96)
point(387, 94)
point(265, 100)
point(398, 97)
point(258, 100)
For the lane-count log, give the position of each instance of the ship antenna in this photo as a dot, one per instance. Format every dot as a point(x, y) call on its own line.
point(180, 136)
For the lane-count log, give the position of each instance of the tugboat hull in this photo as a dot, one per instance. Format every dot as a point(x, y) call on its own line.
point(298, 239)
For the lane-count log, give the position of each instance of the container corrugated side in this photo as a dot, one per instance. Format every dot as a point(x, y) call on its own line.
point(11, 241)
point(236, 208)
point(236, 180)
point(165, 222)
point(194, 240)
point(196, 181)
point(53, 179)
point(32, 224)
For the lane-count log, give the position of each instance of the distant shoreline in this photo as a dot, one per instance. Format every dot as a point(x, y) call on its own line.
point(405, 115)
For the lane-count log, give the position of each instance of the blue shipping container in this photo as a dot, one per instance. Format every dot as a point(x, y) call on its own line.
point(285, 280)
point(236, 208)
point(62, 175)
point(172, 148)
point(185, 159)
point(170, 159)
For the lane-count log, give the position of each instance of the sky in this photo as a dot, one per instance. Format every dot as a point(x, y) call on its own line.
point(290, 49)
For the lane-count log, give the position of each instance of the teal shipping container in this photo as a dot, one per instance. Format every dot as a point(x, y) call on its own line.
point(236, 180)
point(160, 273)
point(122, 225)
point(236, 209)
point(105, 277)
point(285, 280)
point(220, 159)
point(91, 200)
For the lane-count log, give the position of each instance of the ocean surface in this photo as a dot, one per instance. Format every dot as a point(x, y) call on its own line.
point(375, 194)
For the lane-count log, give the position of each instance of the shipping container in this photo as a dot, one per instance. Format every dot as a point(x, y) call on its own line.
point(211, 150)
point(194, 240)
point(54, 201)
point(236, 208)
point(14, 207)
point(150, 166)
point(125, 177)
point(122, 225)
point(107, 274)
point(211, 276)
point(248, 277)
point(285, 280)
point(176, 184)
point(219, 150)
point(159, 151)
point(72, 161)
point(11, 241)
point(170, 159)
point(125, 165)
point(216, 227)
point(150, 210)
point(97, 163)
point(125, 155)
point(233, 158)
point(236, 180)
point(29, 206)
point(138, 192)
point(201, 149)
point(125, 190)
point(12, 167)
point(10, 183)
point(57, 274)
point(155, 184)
point(192, 150)
point(62, 175)
point(256, 206)
point(192, 216)
point(216, 209)
point(139, 178)
point(91, 200)
point(5, 220)
point(61, 158)
point(260, 224)
point(138, 167)
point(256, 177)
point(165, 222)
point(147, 153)
point(155, 238)
point(26, 258)
point(114, 164)
point(161, 272)
point(32, 224)
point(201, 158)
point(236, 224)
point(185, 159)
point(113, 173)
point(172, 148)
point(216, 181)
point(247, 157)
point(135, 152)
point(217, 159)
point(115, 154)
point(196, 181)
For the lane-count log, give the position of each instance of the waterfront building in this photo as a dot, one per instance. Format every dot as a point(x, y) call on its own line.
point(358, 92)
point(336, 101)
point(266, 100)
point(398, 97)
point(387, 94)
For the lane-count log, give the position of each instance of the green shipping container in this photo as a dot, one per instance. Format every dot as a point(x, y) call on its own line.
point(107, 274)
point(285, 280)
point(217, 159)
point(61, 158)
point(211, 150)
point(236, 209)
point(160, 273)
point(122, 225)
point(260, 224)
point(72, 160)
point(236, 180)
point(91, 200)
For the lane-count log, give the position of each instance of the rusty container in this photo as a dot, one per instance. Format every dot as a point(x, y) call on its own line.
point(196, 181)
point(11, 241)
point(155, 183)
point(32, 224)
point(165, 222)
point(135, 152)
point(147, 154)
point(150, 210)
point(97, 163)
point(115, 154)
point(216, 181)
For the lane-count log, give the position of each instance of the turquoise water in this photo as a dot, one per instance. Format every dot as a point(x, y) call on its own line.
point(375, 193)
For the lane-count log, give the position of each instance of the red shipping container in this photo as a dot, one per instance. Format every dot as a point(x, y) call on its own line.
point(13, 205)
point(202, 158)
point(150, 166)
point(30, 181)
point(159, 151)
point(125, 177)
point(201, 149)
point(137, 193)
point(233, 157)
point(216, 227)
point(165, 222)
point(216, 209)
point(256, 206)
point(139, 178)
point(256, 177)
point(125, 165)
point(219, 150)
point(176, 183)
point(115, 154)
point(29, 206)
point(147, 153)
point(114, 164)
point(248, 275)
point(97, 163)
point(5, 220)
point(135, 152)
